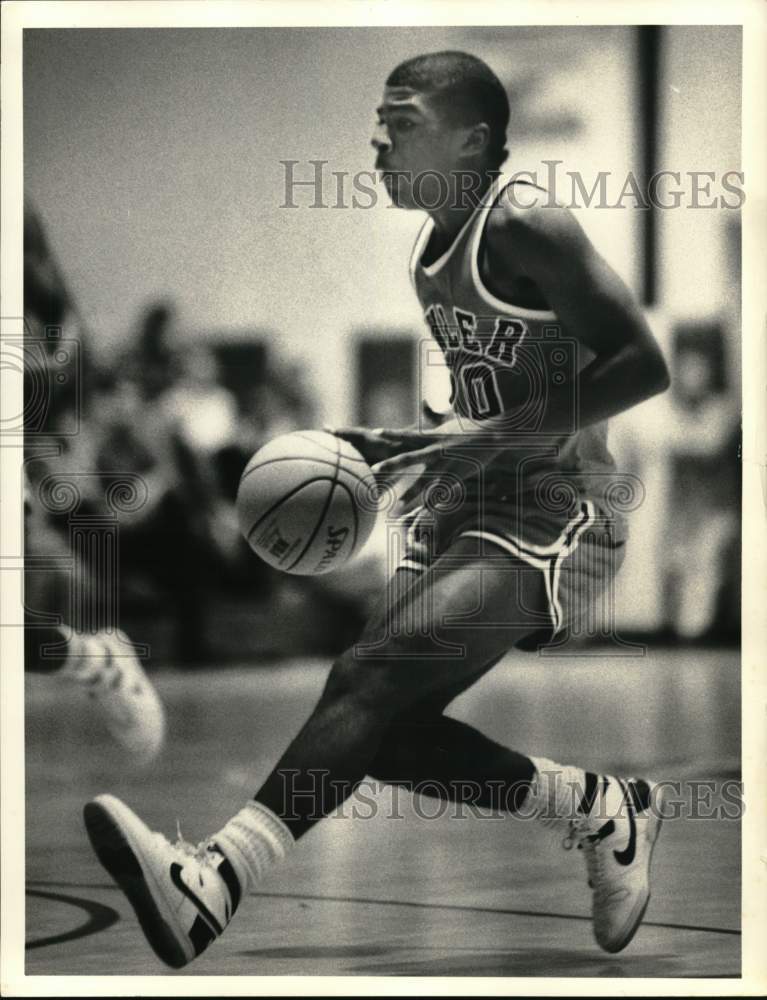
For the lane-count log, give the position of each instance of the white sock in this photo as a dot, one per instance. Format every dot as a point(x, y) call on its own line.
point(556, 791)
point(561, 794)
point(254, 840)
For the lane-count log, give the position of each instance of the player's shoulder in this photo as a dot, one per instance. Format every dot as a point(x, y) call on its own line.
point(531, 217)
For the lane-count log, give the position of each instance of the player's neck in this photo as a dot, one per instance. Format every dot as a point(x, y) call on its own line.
point(449, 217)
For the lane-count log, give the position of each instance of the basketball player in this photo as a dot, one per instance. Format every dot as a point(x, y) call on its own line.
point(505, 569)
point(101, 663)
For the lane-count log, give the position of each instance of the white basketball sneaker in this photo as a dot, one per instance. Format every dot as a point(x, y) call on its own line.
point(617, 838)
point(184, 896)
point(111, 674)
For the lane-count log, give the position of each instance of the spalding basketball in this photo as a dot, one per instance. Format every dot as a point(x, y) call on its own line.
point(306, 502)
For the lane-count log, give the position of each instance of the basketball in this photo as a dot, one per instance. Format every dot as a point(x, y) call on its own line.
point(306, 502)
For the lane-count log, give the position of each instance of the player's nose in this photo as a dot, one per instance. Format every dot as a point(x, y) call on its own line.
point(380, 140)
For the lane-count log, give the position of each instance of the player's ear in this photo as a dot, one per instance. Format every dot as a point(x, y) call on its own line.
point(476, 140)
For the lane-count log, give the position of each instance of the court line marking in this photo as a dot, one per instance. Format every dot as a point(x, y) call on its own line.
point(99, 917)
point(484, 909)
point(413, 904)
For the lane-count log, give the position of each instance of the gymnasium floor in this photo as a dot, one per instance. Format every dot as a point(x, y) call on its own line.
point(443, 896)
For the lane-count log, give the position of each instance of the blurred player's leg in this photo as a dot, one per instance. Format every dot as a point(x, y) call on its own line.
point(106, 669)
point(101, 663)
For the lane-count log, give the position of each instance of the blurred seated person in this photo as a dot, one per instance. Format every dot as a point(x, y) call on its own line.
point(703, 438)
point(204, 411)
point(150, 359)
point(168, 541)
point(203, 414)
point(275, 402)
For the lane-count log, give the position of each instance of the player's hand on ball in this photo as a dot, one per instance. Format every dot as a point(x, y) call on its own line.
point(423, 465)
point(380, 444)
point(441, 459)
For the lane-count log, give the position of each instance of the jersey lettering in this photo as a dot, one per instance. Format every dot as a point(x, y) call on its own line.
point(478, 379)
point(467, 329)
point(446, 335)
point(506, 338)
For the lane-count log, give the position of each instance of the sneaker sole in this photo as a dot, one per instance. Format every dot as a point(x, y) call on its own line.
point(114, 851)
point(636, 921)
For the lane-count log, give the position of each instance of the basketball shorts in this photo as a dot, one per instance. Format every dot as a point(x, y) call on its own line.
point(578, 552)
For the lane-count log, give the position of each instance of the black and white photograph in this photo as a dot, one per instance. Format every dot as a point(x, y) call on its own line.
point(383, 499)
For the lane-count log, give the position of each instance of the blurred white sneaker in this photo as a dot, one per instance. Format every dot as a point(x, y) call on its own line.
point(107, 668)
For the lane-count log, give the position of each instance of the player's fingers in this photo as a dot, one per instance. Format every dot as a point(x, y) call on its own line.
point(398, 463)
point(391, 467)
point(347, 432)
point(364, 440)
point(411, 440)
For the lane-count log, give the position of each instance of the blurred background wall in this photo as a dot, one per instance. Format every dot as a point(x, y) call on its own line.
point(206, 307)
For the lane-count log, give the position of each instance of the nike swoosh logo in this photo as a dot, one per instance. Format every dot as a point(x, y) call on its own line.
point(175, 877)
point(626, 856)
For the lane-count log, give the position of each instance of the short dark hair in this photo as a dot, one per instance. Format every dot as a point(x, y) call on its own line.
point(467, 91)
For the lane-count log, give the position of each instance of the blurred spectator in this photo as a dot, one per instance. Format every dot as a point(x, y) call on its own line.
point(167, 542)
point(203, 415)
point(703, 438)
point(52, 399)
point(202, 409)
point(46, 299)
point(150, 359)
point(51, 375)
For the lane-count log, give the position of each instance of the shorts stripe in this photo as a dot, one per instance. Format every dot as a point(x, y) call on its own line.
point(411, 564)
point(547, 558)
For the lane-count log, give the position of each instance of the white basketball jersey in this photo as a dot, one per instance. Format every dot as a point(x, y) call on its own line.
point(502, 356)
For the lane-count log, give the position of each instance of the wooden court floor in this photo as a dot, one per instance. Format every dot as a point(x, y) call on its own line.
point(399, 892)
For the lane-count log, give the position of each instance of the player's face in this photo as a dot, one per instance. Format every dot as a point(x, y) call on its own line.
point(413, 141)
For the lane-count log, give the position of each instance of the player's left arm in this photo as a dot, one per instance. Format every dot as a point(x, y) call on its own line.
point(594, 307)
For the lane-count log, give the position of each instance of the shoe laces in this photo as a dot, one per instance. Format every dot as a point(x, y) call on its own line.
point(197, 852)
point(578, 836)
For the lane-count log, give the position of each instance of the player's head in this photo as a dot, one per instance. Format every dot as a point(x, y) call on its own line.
point(442, 112)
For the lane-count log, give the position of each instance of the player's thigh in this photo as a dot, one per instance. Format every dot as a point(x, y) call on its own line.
point(446, 628)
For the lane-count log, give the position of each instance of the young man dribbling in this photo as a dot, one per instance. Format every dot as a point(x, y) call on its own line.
point(506, 280)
